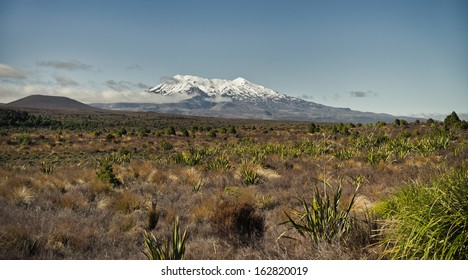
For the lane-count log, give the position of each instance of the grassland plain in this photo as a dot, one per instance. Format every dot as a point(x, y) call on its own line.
point(126, 185)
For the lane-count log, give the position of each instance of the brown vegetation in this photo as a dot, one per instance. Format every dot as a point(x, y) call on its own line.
point(230, 189)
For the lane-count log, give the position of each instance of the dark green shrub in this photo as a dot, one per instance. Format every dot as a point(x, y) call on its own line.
point(106, 174)
point(451, 119)
point(454, 121)
point(312, 128)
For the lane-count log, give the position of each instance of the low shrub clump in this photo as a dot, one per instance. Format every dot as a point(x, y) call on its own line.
point(238, 222)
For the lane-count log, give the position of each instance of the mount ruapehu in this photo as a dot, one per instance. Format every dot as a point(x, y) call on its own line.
point(240, 98)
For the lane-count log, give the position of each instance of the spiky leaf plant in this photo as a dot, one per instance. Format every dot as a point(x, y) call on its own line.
point(249, 176)
point(321, 218)
point(172, 249)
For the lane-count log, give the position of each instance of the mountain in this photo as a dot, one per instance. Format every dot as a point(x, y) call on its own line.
point(240, 98)
point(46, 102)
point(236, 90)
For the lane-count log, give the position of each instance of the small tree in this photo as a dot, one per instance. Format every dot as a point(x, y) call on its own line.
point(312, 128)
point(452, 120)
point(106, 174)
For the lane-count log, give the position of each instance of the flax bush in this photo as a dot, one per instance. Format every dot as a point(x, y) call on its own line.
point(173, 248)
point(321, 218)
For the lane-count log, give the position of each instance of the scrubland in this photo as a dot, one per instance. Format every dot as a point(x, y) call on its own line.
point(129, 186)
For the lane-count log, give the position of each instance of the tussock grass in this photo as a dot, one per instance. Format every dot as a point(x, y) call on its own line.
point(428, 220)
point(127, 202)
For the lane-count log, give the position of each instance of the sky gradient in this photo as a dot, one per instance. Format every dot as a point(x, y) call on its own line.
point(398, 57)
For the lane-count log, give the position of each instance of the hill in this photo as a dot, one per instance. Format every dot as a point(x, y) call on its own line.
point(46, 102)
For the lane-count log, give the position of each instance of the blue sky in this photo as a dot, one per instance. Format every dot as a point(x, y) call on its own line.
point(398, 57)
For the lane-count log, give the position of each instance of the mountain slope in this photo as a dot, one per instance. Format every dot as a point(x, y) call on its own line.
point(240, 98)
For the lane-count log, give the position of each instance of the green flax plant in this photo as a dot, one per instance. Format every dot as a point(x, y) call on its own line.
point(322, 219)
point(172, 249)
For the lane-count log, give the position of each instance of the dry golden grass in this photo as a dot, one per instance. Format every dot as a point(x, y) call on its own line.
point(54, 206)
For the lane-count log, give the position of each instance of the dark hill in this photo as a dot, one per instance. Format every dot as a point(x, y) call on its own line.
point(46, 102)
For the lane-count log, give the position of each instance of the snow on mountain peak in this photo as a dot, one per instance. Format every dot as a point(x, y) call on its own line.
point(239, 81)
point(237, 89)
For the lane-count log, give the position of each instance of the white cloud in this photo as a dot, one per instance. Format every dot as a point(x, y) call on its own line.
point(6, 71)
point(90, 94)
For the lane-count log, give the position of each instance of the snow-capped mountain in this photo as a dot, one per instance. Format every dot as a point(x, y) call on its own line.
point(239, 98)
point(238, 89)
